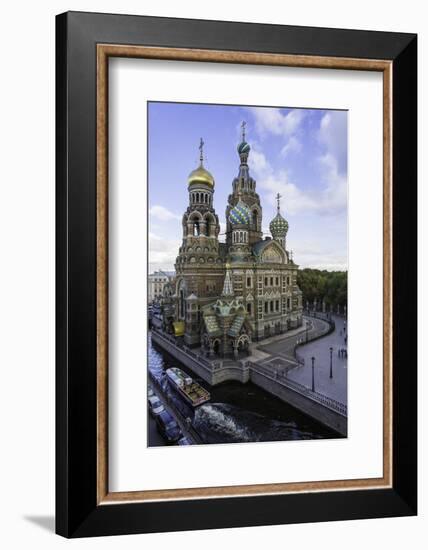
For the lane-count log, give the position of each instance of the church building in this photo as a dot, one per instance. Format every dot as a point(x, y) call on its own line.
point(229, 294)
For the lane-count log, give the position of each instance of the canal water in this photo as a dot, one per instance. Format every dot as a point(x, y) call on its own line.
point(236, 413)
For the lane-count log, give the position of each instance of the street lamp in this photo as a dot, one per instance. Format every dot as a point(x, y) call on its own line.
point(331, 362)
point(313, 373)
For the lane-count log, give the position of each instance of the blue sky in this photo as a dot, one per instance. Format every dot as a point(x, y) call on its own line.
point(300, 153)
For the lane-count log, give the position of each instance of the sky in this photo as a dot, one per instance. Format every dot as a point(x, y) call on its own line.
point(299, 153)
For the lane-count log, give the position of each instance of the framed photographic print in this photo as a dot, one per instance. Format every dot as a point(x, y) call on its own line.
point(236, 274)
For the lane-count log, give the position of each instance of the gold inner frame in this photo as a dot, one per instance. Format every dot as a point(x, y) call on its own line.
point(104, 51)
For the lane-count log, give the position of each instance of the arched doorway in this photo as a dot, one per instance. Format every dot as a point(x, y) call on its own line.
point(216, 347)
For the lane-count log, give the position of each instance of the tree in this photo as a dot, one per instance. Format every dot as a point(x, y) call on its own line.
point(330, 286)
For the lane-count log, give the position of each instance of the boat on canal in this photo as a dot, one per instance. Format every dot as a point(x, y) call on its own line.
point(190, 390)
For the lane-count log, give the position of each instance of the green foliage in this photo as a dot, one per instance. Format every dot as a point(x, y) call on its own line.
point(330, 285)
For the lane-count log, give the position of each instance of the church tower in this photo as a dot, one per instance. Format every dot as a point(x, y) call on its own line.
point(244, 191)
point(199, 269)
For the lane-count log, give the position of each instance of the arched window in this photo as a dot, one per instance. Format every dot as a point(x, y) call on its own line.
point(181, 307)
point(196, 229)
point(197, 197)
point(255, 218)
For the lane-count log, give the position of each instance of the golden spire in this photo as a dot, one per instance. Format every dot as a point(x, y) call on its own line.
point(243, 125)
point(278, 197)
point(201, 149)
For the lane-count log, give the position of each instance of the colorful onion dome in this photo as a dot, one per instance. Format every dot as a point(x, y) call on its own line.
point(200, 175)
point(278, 226)
point(244, 148)
point(240, 214)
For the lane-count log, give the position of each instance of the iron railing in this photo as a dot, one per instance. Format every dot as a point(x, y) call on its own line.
point(280, 376)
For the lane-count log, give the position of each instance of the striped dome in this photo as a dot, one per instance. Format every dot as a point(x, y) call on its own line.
point(278, 226)
point(243, 147)
point(240, 214)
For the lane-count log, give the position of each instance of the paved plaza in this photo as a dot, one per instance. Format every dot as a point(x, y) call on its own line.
point(280, 354)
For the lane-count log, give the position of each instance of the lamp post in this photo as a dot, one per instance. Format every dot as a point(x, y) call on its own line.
point(313, 373)
point(331, 362)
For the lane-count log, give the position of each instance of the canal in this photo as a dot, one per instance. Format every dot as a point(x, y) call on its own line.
point(236, 413)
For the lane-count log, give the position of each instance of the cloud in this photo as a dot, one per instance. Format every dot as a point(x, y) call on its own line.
point(293, 145)
point(333, 137)
point(162, 213)
point(162, 252)
point(317, 255)
point(273, 121)
point(331, 198)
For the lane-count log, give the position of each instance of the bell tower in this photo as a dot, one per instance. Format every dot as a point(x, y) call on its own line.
point(244, 189)
point(198, 266)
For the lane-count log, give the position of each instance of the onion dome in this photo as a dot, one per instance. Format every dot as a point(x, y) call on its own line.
point(240, 214)
point(278, 226)
point(244, 148)
point(200, 174)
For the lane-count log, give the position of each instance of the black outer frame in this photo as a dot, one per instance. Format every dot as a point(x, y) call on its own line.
point(77, 513)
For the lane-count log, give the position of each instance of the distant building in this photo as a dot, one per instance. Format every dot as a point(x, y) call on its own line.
point(157, 282)
point(226, 295)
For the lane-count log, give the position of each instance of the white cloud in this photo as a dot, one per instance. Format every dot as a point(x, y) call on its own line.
point(331, 198)
point(332, 134)
point(293, 145)
point(273, 121)
point(162, 213)
point(163, 252)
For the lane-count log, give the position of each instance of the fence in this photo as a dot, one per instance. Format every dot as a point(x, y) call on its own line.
point(281, 378)
point(310, 337)
point(181, 345)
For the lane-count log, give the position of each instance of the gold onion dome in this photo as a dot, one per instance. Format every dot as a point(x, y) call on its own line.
point(200, 174)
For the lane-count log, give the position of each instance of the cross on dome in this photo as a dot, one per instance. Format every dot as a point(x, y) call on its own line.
point(278, 197)
point(201, 149)
point(243, 125)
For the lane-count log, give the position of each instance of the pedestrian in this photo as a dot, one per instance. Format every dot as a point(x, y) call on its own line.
point(338, 352)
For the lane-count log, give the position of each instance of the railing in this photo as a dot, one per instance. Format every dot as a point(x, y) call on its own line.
point(280, 376)
point(179, 344)
point(315, 335)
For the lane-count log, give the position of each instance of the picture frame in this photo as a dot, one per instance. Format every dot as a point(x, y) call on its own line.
point(84, 44)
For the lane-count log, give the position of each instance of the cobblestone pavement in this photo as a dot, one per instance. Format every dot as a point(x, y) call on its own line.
point(282, 355)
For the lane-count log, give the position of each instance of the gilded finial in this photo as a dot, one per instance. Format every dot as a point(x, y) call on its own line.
point(278, 197)
point(243, 125)
point(201, 149)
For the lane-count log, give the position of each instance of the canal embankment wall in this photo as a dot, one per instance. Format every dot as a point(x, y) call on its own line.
point(323, 409)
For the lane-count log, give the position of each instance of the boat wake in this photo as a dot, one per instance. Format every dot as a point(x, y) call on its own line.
point(223, 423)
